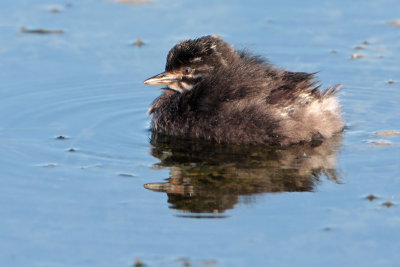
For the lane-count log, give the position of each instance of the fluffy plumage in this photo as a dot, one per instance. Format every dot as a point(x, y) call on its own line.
point(227, 96)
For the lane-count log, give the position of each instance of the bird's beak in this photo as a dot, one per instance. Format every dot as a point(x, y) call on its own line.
point(163, 78)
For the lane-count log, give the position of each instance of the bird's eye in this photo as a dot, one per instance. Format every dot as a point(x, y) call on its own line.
point(188, 70)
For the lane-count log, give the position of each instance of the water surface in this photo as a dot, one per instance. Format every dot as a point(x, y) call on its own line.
point(84, 183)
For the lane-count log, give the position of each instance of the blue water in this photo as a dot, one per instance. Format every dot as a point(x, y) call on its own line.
point(90, 207)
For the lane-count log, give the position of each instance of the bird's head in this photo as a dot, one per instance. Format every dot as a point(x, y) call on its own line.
point(190, 61)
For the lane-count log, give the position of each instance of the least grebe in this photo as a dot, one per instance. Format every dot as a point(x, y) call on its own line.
point(217, 93)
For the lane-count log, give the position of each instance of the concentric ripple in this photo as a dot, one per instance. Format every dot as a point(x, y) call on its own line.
point(103, 123)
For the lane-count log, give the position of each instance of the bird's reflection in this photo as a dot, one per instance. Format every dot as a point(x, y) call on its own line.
point(209, 178)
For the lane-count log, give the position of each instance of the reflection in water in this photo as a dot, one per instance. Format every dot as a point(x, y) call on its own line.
point(208, 177)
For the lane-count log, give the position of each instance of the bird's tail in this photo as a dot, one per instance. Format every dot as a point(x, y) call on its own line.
point(331, 90)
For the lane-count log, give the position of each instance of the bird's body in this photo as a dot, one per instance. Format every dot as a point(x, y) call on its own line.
point(219, 94)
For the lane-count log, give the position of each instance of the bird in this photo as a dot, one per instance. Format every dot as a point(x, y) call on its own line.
point(217, 93)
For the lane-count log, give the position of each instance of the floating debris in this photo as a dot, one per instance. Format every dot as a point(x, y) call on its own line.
point(202, 216)
point(41, 31)
point(380, 142)
point(139, 42)
point(356, 56)
point(387, 204)
point(358, 47)
point(365, 43)
point(394, 23)
point(185, 261)
point(72, 150)
point(126, 175)
point(387, 133)
point(371, 197)
point(47, 165)
point(61, 137)
point(327, 229)
point(134, 2)
point(210, 263)
point(333, 52)
point(138, 263)
point(390, 81)
point(69, 4)
point(91, 166)
point(55, 10)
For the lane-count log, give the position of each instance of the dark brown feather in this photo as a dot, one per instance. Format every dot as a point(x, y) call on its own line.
point(244, 100)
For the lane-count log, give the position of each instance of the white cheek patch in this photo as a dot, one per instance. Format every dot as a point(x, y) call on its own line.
point(180, 87)
point(175, 87)
point(186, 86)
